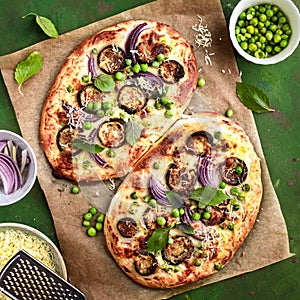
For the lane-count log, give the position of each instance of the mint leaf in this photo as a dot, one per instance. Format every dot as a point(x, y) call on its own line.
point(253, 98)
point(87, 146)
point(133, 132)
point(158, 239)
point(174, 199)
point(208, 196)
point(46, 25)
point(27, 68)
point(104, 83)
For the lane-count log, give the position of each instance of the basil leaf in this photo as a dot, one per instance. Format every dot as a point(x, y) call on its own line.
point(87, 146)
point(104, 83)
point(175, 199)
point(208, 196)
point(133, 132)
point(28, 67)
point(187, 229)
point(46, 25)
point(253, 98)
point(158, 239)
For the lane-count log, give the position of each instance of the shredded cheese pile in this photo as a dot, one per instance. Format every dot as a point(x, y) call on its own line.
point(12, 241)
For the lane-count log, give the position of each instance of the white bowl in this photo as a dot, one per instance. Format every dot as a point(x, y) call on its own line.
point(292, 14)
point(32, 171)
point(58, 260)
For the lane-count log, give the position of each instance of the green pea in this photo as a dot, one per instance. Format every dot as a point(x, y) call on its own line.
point(75, 190)
point(147, 198)
point(90, 105)
point(218, 267)
point(70, 89)
point(181, 211)
point(91, 231)
point(100, 113)
point(262, 17)
point(100, 218)
point(87, 125)
point(152, 203)
point(277, 38)
point(85, 78)
point(230, 226)
point(177, 268)
point(198, 262)
point(244, 45)
point(241, 196)
point(106, 105)
point(136, 68)
point(88, 216)
point(269, 13)
point(175, 213)
point(250, 29)
point(160, 57)
point(134, 195)
point(161, 221)
point(93, 210)
point(119, 76)
point(158, 105)
point(269, 35)
point(229, 113)
point(238, 169)
point(128, 62)
point(168, 114)
point(282, 20)
point(273, 27)
point(164, 100)
point(156, 165)
point(206, 215)
point(144, 67)
point(252, 47)
point(98, 226)
point(242, 15)
point(169, 105)
point(234, 191)
point(201, 82)
point(94, 51)
point(155, 64)
point(222, 185)
point(111, 153)
point(283, 43)
point(246, 187)
point(196, 216)
point(86, 223)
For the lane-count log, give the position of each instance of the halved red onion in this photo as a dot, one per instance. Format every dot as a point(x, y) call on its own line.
point(208, 172)
point(158, 192)
point(131, 41)
point(10, 174)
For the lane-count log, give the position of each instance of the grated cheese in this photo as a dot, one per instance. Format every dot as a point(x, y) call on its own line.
point(203, 35)
point(12, 241)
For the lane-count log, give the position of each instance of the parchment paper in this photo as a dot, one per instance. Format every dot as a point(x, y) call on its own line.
point(89, 265)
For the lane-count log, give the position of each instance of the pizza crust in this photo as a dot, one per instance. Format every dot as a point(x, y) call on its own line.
point(215, 244)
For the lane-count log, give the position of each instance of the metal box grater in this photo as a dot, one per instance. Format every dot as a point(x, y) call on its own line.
point(24, 277)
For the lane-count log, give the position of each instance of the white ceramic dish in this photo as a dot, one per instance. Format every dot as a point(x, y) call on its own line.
point(32, 171)
point(291, 12)
point(57, 257)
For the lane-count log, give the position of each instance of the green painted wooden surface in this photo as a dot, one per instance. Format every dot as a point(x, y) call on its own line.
point(279, 133)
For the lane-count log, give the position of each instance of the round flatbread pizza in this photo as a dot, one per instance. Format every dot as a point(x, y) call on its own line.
point(188, 204)
point(115, 95)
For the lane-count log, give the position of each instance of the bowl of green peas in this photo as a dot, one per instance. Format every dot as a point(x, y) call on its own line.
point(265, 32)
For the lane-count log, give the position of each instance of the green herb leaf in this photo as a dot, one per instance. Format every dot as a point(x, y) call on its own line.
point(187, 229)
point(158, 240)
point(28, 67)
point(104, 83)
point(253, 98)
point(46, 25)
point(87, 146)
point(133, 132)
point(208, 196)
point(174, 199)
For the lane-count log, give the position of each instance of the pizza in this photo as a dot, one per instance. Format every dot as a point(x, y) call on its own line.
point(187, 205)
point(115, 95)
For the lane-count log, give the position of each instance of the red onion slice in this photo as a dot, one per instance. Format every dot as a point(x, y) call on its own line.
point(98, 159)
point(208, 172)
point(158, 192)
point(91, 66)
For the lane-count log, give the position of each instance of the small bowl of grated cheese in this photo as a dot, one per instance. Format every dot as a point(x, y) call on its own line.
point(15, 237)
